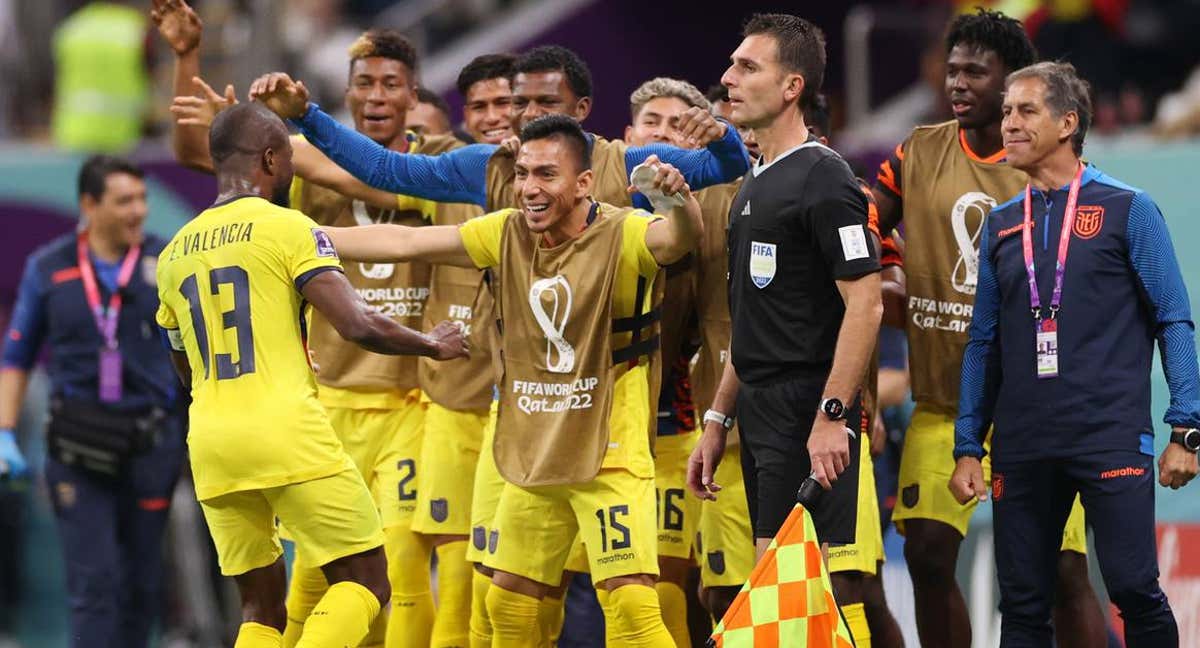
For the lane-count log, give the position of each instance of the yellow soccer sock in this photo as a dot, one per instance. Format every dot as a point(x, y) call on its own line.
point(342, 618)
point(306, 588)
point(411, 621)
point(481, 625)
point(550, 619)
point(856, 620)
point(635, 619)
point(257, 635)
point(674, 612)
point(514, 619)
point(453, 618)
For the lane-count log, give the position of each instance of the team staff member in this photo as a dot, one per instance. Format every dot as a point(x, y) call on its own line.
point(800, 259)
point(373, 400)
point(485, 86)
point(430, 115)
point(115, 441)
point(1092, 260)
point(942, 181)
point(571, 439)
point(233, 286)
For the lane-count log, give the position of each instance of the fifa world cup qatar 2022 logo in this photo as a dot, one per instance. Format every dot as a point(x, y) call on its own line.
point(363, 217)
point(550, 301)
point(967, 219)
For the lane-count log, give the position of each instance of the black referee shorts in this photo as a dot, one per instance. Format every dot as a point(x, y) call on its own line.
point(775, 422)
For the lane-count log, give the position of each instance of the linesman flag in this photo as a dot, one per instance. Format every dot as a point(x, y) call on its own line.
point(788, 601)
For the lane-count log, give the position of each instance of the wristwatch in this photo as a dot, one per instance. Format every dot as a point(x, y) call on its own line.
point(713, 416)
point(833, 409)
point(1189, 439)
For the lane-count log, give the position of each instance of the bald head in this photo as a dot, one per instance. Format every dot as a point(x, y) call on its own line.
point(249, 146)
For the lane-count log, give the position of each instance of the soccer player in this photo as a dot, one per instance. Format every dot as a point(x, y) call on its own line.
point(373, 401)
point(486, 89)
point(942, 182)
point(430, 115)
point(233, 285)
point(571, 440)
point(1091, 258)
point(800, 258)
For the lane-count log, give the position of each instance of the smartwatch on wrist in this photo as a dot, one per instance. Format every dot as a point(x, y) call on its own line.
point(1189, 439)
point(713, 416)
point(833, 409)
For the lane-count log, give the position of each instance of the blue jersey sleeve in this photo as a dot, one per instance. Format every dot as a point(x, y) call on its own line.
point(723, 160)
point(981, 362)
point(1153, 259)
point(28, 326)
point(457, 176)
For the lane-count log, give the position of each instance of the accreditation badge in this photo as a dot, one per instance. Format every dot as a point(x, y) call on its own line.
point(762, 263)
point(1047, 348)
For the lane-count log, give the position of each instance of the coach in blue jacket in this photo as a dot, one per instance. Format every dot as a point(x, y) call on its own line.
point(1077, 279)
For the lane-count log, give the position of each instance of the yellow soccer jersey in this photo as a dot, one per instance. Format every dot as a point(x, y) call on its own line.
point(628, 447)
point(229, 284)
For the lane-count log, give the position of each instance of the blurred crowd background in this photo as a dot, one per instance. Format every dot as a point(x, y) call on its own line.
point(78, 77)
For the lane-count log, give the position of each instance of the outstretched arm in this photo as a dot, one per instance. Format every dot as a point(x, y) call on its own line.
point(181, 28)
point(723, 158)
point(397, 243)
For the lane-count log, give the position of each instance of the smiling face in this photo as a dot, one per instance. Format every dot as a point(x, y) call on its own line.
point(1031, 129)
point(760, 87)
point(380, 94)
point(488, 110)
point(549, 183)
point(657, 123)
point(536, 94)
point(118, 214)
point(974, 85)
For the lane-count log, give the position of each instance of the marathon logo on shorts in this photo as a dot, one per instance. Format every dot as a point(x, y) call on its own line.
point(1128, 471)
point(479, 538)
point(997, 486)
point(324, 243)
point(716, 562)
point(439, 509)
point(763, 263)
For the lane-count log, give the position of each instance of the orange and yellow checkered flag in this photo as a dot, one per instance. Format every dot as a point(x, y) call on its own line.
point(788, 601)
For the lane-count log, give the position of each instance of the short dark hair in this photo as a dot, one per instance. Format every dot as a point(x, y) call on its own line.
point(551, 58)
point(801, 47)
point(93, 176)
point(434, 99)
point(1065, 92)
point(385, 43)
point(716, 92)
point(816, 115)
point(561, 127)
point(992, 30)
point(244, 130)
point(484, 68)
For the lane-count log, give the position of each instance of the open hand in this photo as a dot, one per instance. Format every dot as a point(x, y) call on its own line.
point(283, 96)
point(201, 111)
point(178, 24)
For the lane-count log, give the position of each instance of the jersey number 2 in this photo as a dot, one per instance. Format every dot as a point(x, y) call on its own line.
point(237, 319)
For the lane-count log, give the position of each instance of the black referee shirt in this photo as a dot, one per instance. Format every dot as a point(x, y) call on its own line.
point(796, 225)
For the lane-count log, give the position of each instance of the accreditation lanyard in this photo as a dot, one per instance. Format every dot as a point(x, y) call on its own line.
point(1046, 347)
point(106, 318)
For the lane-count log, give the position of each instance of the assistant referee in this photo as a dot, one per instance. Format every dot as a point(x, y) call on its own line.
point(804, 295)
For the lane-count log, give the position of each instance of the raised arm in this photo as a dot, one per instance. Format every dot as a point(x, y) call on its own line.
point(181, 28)
point(355, 320)
point(312, 165)
point(723, 158)
point(398, 243)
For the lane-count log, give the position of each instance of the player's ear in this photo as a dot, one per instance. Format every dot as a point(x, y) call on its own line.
point(583, 184)
point(269, 162)
point(583, 108)
point(628, 134)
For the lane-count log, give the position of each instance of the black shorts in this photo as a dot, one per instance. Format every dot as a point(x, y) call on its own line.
point(775, 422)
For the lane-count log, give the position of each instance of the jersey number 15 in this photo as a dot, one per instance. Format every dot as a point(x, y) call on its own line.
point(237, 319)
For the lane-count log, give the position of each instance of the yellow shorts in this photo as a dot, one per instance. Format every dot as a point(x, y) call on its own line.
point(577, 559)
point(725, 543)
point(613, 514)
point(867, 549)
point(678, 511)
point(485, 495)
point(329, 517)
point(926, 464)
point(449, 456)
point(385, 445)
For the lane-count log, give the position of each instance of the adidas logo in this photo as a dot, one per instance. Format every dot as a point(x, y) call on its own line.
point(746, 209)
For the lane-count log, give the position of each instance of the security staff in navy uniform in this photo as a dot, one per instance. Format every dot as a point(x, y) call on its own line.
point(1077, 280)
point(114, 440)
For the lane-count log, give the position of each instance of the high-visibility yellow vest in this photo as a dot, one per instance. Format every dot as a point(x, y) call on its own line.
point(101, 80)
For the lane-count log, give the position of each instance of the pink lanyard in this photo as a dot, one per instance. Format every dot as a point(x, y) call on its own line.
point(106, 320)
point(1064, 242)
